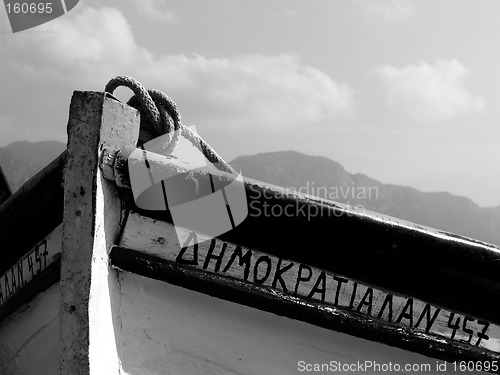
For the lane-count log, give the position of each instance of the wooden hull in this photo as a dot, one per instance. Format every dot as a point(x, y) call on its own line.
point(169, 329)
point(101, 286)
point(29, 338)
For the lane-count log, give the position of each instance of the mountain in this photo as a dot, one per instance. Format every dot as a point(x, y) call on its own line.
point(22, 160)
point(494, 210)
point(327, 179)
point(315, 175)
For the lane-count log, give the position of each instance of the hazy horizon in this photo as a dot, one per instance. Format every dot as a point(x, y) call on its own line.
point(289, 150)
point(401, 90)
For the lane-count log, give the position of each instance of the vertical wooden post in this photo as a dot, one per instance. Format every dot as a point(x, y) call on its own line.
point(92, 215)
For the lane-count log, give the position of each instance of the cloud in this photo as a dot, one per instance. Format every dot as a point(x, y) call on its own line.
point(254, 90)
point(388, 9)
point(80, 43)
point(430, 92)
point(84, 51)
point(286, 13)
point(155, 10)
point(14, 128)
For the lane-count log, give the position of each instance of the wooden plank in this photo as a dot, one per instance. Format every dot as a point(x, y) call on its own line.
point(89, 327)
point(442, 268)
point(31, 212)
point(173, 330)
point(235, 265)
point(30, 265)
point(29, 340)
point(291, 307)
point(32, 273)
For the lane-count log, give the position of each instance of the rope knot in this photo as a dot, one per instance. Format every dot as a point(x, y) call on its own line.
point(160, 119)
point(159, 114)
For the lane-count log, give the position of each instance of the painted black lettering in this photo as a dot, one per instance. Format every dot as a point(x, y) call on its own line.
point(30, 265)
point(44, 253)
point(429, 320)
point(20, 274)
point(7, 285)
point(467, 330)
point(317, 289)
point(243, 260)
point(262, 259)
point(38, 259)
point(455, 326)
point(211, 256)
point(301, 278)
point(353, 295)
point(367, 301)
point(340, 281)
point(180, 258)
point(387, 302)
point(280, 271)
point(407, 312)
point(13, 280)
point(482, 335)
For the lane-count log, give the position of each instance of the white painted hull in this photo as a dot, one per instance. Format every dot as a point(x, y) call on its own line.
point(29, 338)
point(115, 292)
point(172, 330)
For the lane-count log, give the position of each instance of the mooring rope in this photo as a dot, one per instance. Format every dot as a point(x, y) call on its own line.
point(159, 116)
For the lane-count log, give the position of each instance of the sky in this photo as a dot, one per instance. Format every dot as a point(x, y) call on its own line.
point(404, 91)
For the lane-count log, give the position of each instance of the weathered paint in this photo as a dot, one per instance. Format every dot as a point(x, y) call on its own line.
point(30, 265)
point(306, 282)
point(34, 210)
point(92, 214)
point(29, 338)
point(172, 330)
point(460, 273)
point(110, 322)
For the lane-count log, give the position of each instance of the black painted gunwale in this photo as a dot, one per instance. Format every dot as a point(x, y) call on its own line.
point(31, 213)
point(279, 303)
point(450, 271)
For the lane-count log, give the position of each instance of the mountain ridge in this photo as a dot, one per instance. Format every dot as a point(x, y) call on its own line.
point(324, 177)
point(314, 175)
point(22, 160)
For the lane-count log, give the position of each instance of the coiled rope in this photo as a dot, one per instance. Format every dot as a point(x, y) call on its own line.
point(159, 116)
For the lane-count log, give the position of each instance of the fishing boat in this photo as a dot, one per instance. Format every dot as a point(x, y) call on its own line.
point(93, 281)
